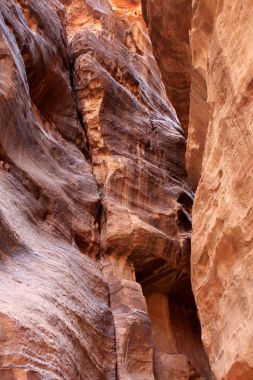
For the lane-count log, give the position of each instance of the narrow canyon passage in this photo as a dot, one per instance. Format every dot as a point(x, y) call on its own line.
point(146, 218)
point(102, 207)
point(112, 112)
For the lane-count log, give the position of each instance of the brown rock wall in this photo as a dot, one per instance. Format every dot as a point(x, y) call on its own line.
point(53, 298)
point(169, 25)
point(95, 207)
point(93, 190)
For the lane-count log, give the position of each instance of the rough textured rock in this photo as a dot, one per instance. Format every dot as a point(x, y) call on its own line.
point(137, 152)
point(95, 208)
point(133, 333)
point(219, 161)
point(94, 191)
point(135, 141)
point(169, 25)
point(222, 44)
point(53, 298)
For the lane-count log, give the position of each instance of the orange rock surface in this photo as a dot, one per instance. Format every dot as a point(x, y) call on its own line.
point(97, 98)
point(222, 243)
point(94, 191)
point(219, 164)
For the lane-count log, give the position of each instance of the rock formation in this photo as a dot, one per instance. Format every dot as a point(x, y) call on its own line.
point(95, 207)
point(222, 245)
point(94, 196)
point(219, 155)
point(54, 299)
point(169, 24)
point(219, 162)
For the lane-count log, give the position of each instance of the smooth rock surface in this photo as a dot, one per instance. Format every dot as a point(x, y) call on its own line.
point(169, 24)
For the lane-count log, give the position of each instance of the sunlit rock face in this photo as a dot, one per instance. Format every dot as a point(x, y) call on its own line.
point(222, 245)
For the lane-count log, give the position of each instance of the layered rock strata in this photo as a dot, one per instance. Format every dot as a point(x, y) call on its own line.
point(219, 162)
point(55, 321)
point(222, 242)
point(94, 197)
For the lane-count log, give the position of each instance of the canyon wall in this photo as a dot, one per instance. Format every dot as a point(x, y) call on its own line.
point(169, 23)
point(222, 242)
point(95, 206)
point(54, 299)
point(219, 164)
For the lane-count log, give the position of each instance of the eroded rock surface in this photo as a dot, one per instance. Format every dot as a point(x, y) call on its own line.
point(54, 300)
point(95, 208)
point(222, 245)
point(137, 151)
point(219, 161)
point(169, 25)
point(94, 192)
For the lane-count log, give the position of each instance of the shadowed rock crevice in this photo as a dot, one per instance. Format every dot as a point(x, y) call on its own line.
point(176, 333)
point(169, 25)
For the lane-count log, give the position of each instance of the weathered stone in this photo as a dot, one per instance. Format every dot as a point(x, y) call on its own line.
point(136, 143)
point(95, 207)
point(133, 334)
point(169, 25)
point(53, 298)
point(222, 44)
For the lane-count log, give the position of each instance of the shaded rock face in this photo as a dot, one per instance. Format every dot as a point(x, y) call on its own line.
point(169, 25)
point(94, 196)
point(219, 164)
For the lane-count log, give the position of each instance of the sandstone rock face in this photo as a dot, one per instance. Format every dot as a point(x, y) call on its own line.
point(137, 152)
point(95, 206)
point(201, 34)
point(169, 25)
point(219, 162)
point(94, 193)
point(54, 300)
point(136, 144)
point(222, 245)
